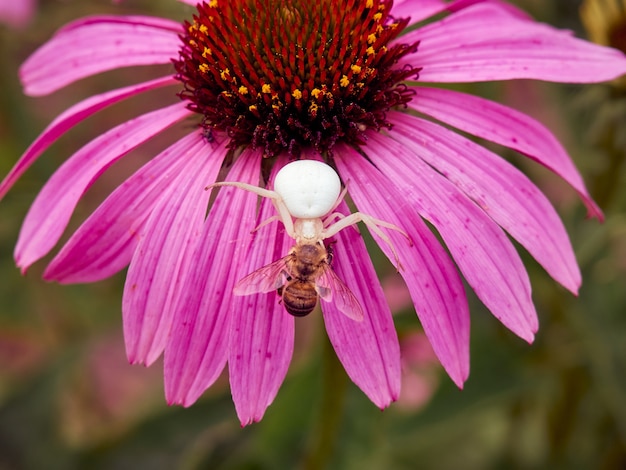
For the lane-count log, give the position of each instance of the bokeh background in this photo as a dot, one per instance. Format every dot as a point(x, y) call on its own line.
point(69, 400)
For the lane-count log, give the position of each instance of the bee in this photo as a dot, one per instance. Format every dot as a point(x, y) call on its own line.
point(300, 278)
point(306, 193)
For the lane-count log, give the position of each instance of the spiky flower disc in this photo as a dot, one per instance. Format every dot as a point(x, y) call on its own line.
point(281, 75)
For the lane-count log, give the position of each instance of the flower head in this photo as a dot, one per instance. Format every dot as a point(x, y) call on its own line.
point(339, 81)
point(292, 78)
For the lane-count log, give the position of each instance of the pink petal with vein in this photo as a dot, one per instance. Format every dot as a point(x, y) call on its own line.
point(433, 280)
point(163, 256)
point(49, 214)
point(105, 242)
point(419, 10)
point(485, 42)
point(262, 332)
point(369, 350)
point(480, 248)
point(106, 43)
point(198, 346)
point(501, 190)
point(505, 126)
point(69, 119)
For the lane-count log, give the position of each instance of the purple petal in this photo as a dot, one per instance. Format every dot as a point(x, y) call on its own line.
point(480, 248)
point(164, 253)
point(419, 10)
point(369, 349)
point(262, 332)
point(485, 42)
point(501, 190)
point(70, 118)
point(96, 44)
point(198, 346)
point(105, 242)
point(51, 211)
point(432, 278)
point(505, 126)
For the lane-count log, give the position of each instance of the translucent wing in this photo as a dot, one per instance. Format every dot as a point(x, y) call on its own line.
point(332, 289)
point(265, 279)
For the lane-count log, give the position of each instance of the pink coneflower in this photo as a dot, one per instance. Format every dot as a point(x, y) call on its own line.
point(339, 81)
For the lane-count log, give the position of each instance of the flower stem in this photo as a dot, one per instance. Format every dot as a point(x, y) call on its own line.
point(326, 429)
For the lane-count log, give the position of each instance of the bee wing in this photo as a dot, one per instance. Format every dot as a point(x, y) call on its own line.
point(331, 288)
point(265, 279)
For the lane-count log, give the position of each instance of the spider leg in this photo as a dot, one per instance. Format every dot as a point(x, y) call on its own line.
point(374, 225)
point(336, 216)
point(332, 218)
point(265, 222)
point(248, 187)
point(340, 198)
point(283, 213)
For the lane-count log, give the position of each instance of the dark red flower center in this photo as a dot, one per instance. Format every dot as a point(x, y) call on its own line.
point(283, 75)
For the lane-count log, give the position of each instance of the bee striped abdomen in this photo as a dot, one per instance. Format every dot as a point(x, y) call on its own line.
point(299, 297)
point(306, 263)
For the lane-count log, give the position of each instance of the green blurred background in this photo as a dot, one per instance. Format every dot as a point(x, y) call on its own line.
point(69, 400)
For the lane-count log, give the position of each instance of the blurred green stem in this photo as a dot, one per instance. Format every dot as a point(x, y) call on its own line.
point(606, 185)
point(326, 429)
point(608, 136)
point(605, 365)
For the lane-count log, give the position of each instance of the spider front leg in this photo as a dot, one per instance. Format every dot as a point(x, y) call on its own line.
point(333, 216)
point(331, 219)
point(283, 213)
point(374, 225)
point(341, 197)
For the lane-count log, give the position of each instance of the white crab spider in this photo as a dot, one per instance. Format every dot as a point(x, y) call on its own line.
point(306, 192)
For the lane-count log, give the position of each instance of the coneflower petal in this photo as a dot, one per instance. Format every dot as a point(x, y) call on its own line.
point(431, 277)
point(164, 253)
point(419, 10)
point(504, 126)
point(484, 43)
point(68, 119)
point(369, 349)
point(261, 331)
point(50, 212)
point(502, 191)
point(105, 242)
point(197, 350)
point(480, 248)
point(106, 43)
